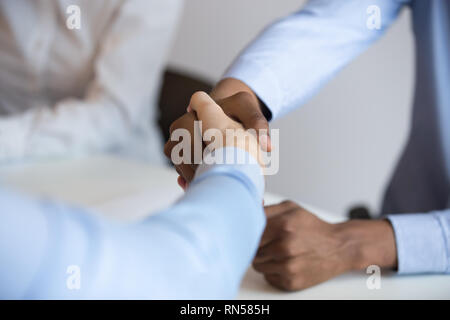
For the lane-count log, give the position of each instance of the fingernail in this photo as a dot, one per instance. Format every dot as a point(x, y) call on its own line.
point(189, 108)
point(264, 142)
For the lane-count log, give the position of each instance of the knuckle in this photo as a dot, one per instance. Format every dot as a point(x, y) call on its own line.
point(257, 267)
point(288, 205)
point(289, 268)
point(285, 224)
point(168, 149)
point(286, 248)
point(301, 215)
point(184, 122)
point(258, 117)
point(198, 99)
point(198, 95)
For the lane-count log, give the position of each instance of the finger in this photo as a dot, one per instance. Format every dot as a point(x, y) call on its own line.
point(278, 227)
point(271, 251)
point(284, 283)
point(270, 234)
point(269, 267)
point(168, 148)
point(187, 122)
point(275, 280)
point(186, 171)
point(265, 142)
point(262, 257)
point(285, 268)
point(182, 183)
point(210, 113)
point(204, 105)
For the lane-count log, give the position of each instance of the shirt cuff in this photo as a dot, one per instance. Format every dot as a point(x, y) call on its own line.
point(260, 79)
point(234, 162)
point(420, 241)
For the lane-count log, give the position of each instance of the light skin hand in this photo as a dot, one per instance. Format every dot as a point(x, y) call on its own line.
point(298, 250)
point(214, 117)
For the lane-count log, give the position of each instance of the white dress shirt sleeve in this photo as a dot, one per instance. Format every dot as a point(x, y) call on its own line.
point(297, 55)
point(128, 66)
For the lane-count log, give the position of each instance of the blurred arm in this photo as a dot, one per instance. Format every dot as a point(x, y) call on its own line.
point(199, 248)
point(127, 70)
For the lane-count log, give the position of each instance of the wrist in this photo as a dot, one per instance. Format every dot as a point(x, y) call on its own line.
point(367, 243)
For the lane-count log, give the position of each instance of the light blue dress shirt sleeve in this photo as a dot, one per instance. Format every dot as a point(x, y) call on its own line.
point(198, 248)
point(423, 242)
point(293, 58)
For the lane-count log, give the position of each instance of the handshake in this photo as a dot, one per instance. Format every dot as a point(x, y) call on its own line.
point(297, 250)
point(209, 126)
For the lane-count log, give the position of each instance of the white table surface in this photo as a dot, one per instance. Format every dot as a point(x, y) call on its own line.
point(129, 190)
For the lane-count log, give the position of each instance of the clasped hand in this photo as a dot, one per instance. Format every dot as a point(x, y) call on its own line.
point(213, 130)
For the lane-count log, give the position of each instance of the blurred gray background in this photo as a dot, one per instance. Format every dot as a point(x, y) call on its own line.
point(340, 148)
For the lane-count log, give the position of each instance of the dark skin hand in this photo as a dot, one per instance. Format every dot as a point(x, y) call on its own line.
point(239, 103)
point(298, 250)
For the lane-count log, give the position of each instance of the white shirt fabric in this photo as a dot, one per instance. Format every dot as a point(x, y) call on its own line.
point(74, 91)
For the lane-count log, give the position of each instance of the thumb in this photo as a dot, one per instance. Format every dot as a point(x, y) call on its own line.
point(244, 108)
point(210, 113)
